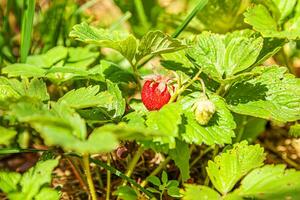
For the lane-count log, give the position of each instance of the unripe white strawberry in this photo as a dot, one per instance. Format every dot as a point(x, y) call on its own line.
point(204, 110)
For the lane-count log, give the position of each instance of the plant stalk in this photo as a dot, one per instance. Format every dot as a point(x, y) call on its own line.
point(215, 153)
point(108, 179)
point(184, 87)
point(86, 165)
point(133, 163)
point(201, 154)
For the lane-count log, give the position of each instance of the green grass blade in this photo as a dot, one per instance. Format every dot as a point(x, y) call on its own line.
point(27, 24)
point(189, 18)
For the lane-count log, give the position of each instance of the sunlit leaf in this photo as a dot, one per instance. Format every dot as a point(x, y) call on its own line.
point(223, 56)
point(157, 42)
point(274, 94)
point(271, 182)
point(229, 167)
point(198, 192)
point(120, 41)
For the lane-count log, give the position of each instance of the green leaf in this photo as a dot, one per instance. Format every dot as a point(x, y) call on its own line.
point(47, 194)
point(34, 179)
point(199, 192)
point(271, 182)
point(6, 135)
point(37, 89)
point(126, 193)
point(68, 116)
point(229, 167)
point(177, 61)
point(117, 103)
point(9, 181)
point(6, 92)
point(270, 47)
point(274, 95)
point(166, 121)
point(115, 73)
point(97, 142)
point(49, 58)
point(260, 18)
point(181, 157)
point(223, 16)
point(119, 41)
point(85, 97)
point(174, 192)
point(24, 70)
point(60, 115)
point(12, 88)
point(79, 54)
point(135, 120)
point(219, 130)
point(295, 130)
point(249, 127)
point(154, 180)
point(157, 42)
point(164, 178)
point(28, 109)
point(285, 7)
point(223, 56)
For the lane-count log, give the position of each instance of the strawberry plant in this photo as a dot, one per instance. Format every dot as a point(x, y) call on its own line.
point(153, 113)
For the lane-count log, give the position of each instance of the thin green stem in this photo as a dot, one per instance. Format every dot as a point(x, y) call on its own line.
point(184, 87)
point(156, 171)
point(135, 73)
point(98, 174)
point(286, 61)
point(216, 151)
point(220, 90)
point(241, 129)
point(108, 179)
point(189, 18)
point(86, 166)
point(245, 74)
point(201, 154)
point(133, 163)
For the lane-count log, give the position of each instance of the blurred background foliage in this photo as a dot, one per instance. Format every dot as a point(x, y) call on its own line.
point(54, 19)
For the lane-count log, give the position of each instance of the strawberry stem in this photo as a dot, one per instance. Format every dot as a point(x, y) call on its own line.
point(184, 87)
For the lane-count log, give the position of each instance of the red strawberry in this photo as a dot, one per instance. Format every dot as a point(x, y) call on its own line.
point(155, 93)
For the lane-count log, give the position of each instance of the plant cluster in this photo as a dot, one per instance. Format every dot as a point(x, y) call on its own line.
point(208, 88)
